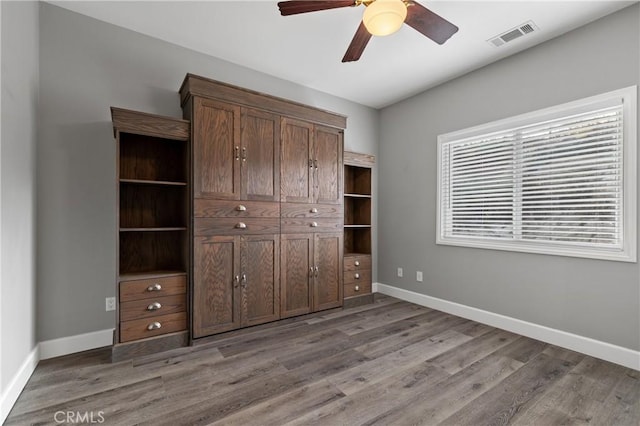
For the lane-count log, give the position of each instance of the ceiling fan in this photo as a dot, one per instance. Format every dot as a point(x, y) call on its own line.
point(381, 17)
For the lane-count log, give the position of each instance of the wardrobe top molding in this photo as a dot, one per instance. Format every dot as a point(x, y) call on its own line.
point(194, 85)
point(125, 120)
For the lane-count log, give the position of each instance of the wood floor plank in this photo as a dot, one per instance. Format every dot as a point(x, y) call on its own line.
point(300, 400)
point(469, 352)
point(506, 401)
point(400, 312)
point(446, 397)
point(378, 369)
point(522, 349)
point(426, 326)
point(622, 405)
point(576, 397)
point(373, 400)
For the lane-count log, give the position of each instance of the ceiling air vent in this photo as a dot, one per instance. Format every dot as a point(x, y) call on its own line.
point(514, 33)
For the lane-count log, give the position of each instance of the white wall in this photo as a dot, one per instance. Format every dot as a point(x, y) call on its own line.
point(591, 298)
point(86, 66)
point(20, 81)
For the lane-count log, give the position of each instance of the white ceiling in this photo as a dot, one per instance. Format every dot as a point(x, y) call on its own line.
point(308, 48)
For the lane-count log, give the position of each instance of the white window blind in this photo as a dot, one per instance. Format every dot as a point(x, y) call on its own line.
point(555, 181)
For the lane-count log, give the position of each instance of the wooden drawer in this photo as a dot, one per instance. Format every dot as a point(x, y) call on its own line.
point(152, 288)
point(301, 211)
point(146, 308)
point(235, 226)
point(357, 263)
point(140, 329)
point(357, 288)
point(357, 276)
point(304, 225)
point(230, 208)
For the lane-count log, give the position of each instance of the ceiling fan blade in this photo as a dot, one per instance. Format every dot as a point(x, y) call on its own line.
point(358, 43)
point(294, 7)
point(428, 23)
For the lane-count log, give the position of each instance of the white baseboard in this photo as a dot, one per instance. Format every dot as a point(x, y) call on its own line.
point(78, 343)
point(19, 381)
point(598, 349)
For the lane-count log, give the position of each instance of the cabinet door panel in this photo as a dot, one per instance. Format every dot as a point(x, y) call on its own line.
point(260, 156)
point(261, 289)
point(328, 282)
point(216, 295)
point(328, 153)
point(296, 168)
point(296, 251)
point(216, 129)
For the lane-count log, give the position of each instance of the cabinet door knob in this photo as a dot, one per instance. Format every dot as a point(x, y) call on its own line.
point(316, 269)
point(241, 208)
point(314, 224)
point(237, 281)
point(237, 152)
point(315, 164)
point(241, 225)
point(154, 326)
point(155, 287)
point(356, 276)
point(357, 263)
point(244, 154)
point(313, 210)
point(244, 280)
point(154, 306)
point(311, 271)
point(357, 288)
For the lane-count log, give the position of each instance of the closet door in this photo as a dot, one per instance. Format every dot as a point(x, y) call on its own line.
point(260, 156)
point(217, 151)
point(260, 278)
point(296, 161)
point(296, 262)
point(216, 290)
point(328, 275)
point(328, 153)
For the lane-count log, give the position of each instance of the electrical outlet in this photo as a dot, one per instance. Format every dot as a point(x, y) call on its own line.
point(419, 276)
point(400, 272)
point(110, 304)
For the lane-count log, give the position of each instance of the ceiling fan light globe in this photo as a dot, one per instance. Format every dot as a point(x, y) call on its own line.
point(384, 17)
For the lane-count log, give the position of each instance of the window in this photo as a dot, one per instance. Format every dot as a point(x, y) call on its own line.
point(556, 181)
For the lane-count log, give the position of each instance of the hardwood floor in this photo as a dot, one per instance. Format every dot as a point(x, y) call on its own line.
point(391, 362)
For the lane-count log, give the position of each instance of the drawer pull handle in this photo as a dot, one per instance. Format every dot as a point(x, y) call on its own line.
point(154, 306)
point(357, 288)
point(357, 263)
point(237, 281)
point(314, 224)
point(241, 208)
point(244, 280)
point(311, 271)
point(237, 152)
point(356, 276)
point(313, 210)
point(244, 154)
point(155, 287)
point(316, 268)
point(241, 225)
point(154, 326)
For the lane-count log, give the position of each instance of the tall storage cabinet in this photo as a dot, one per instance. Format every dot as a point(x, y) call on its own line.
point(153, 232)
point(267, 206)
point(357, 227)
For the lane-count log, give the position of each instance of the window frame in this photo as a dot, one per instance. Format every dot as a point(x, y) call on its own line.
point(629, 180)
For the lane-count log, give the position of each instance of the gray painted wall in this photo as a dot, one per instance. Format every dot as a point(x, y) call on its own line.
point(85, 67)
point(18, 192)
point(597, 299)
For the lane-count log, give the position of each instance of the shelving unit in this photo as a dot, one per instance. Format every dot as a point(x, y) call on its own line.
point(357, 228)
point(153, 232)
